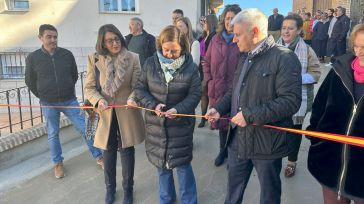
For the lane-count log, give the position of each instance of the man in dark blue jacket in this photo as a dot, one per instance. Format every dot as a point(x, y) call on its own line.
point(274, 24)
point(51, 75)
point(266, 90)
point(337, 41)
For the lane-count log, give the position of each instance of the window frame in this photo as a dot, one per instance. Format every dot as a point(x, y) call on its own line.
point(11, 5)
point(119, 9)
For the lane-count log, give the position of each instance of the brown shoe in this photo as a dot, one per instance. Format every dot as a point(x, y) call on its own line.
point(100, 161)
point(58, 170)
point(290, 169)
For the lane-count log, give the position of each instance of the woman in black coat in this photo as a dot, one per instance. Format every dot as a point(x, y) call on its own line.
point(339, 108)
point(170, 84)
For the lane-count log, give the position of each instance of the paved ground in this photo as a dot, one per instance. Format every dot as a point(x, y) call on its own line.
point(33, 181)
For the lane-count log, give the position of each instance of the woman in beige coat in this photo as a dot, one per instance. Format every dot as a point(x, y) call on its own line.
point(118, 128)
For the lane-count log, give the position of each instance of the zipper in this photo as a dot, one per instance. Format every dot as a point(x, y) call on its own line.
point(55, 75)
point(346, 146)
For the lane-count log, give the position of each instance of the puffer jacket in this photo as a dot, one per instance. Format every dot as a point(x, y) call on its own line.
point(219, 68)
point(169, 141)
point(338, 166)
point(269, 94)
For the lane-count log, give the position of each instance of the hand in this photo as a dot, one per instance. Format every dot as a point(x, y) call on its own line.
point(169, 113)
point(239, 120)
point(131, 103)
point(212, 115)
point(158, 109)
point(102, 105)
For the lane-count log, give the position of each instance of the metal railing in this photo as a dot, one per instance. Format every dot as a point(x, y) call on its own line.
point(13, 119)
point(12, 64)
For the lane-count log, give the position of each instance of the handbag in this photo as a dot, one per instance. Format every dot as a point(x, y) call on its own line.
point(91, 116)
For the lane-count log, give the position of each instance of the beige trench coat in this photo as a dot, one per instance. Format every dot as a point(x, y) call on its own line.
point(131, 123)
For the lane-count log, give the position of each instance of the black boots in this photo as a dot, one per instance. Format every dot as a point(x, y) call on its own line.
point(127, 156)
point(110, 196)
point(223, 151)
point(202, 123)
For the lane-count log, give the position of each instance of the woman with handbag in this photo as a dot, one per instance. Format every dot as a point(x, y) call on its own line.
point(118, 128)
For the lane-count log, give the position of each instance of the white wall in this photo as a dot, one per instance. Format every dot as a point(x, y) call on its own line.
point(77, 21)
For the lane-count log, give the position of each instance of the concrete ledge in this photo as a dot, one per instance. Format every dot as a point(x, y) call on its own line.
point(20, 146)
point(15, 139)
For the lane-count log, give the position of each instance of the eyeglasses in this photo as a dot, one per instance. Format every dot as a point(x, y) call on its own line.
point(111, 41)
point(359, 48)
point(172, 52)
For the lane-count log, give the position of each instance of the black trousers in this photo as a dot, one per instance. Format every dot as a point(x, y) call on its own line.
point(127, 156)
point(294, 144)
point(268, 172)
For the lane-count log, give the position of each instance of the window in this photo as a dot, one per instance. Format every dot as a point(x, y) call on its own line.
point(12, 65)
point(118, 6)
point(17, 4)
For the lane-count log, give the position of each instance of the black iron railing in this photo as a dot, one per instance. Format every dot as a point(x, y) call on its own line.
point(15, 118)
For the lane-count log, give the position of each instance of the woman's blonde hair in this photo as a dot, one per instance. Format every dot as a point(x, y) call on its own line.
point(173, 34)
point(188, 24)
point(356, 30)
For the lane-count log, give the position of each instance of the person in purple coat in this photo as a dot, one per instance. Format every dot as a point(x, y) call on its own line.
point(220, 63)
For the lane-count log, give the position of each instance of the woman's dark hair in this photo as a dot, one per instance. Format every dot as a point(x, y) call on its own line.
point(211, 21)
point(173, 34)
point(295, 17)
point(235, 8)
point(100, 48)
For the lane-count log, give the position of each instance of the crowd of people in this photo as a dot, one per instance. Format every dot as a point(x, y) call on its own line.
point(244, 66)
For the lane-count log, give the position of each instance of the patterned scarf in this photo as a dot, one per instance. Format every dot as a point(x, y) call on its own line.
point(170, 66)
point(115, 72)
point(358, 71)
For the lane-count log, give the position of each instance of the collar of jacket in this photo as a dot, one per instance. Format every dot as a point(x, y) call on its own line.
point(267, 45)
point(188, 61)
point(47, 53)
point(342, 67)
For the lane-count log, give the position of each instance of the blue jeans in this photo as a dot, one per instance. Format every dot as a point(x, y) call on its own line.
point(52, 116)
point(187, 185)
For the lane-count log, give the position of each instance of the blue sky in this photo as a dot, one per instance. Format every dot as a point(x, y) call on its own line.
point(284, 6)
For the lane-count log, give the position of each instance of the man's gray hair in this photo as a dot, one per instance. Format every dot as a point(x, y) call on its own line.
point(138, 20)
point(255, 18)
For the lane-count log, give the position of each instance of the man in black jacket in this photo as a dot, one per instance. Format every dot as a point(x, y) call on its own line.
point(337, 41)
point(139, 41)
point(51, 75)
point(266, 90)
point(274, 24)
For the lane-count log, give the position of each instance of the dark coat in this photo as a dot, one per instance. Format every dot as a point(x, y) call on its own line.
point(219, 68)
point(51, 78)
point(275, 24)
point(341, 28)
point(169, 141)
point(331, 112)
point(149, 43)
point(270, 94)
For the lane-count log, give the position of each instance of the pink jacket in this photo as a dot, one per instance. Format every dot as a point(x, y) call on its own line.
point(219, 67)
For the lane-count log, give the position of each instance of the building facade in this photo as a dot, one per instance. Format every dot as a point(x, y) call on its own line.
point(77, 22)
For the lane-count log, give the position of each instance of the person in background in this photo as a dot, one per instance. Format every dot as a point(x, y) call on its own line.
point(274, 24)
point(51, 75)
point(290, 38)
point(176, 14)
point(337, 40)
point(169, 84)
point(139, 40)
point(330, 13)
point(307, 34)
point(184, 24)
point(219, 67)
point(209, 30)
point(119, 129)
point(320, 37)
point(338, 109)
